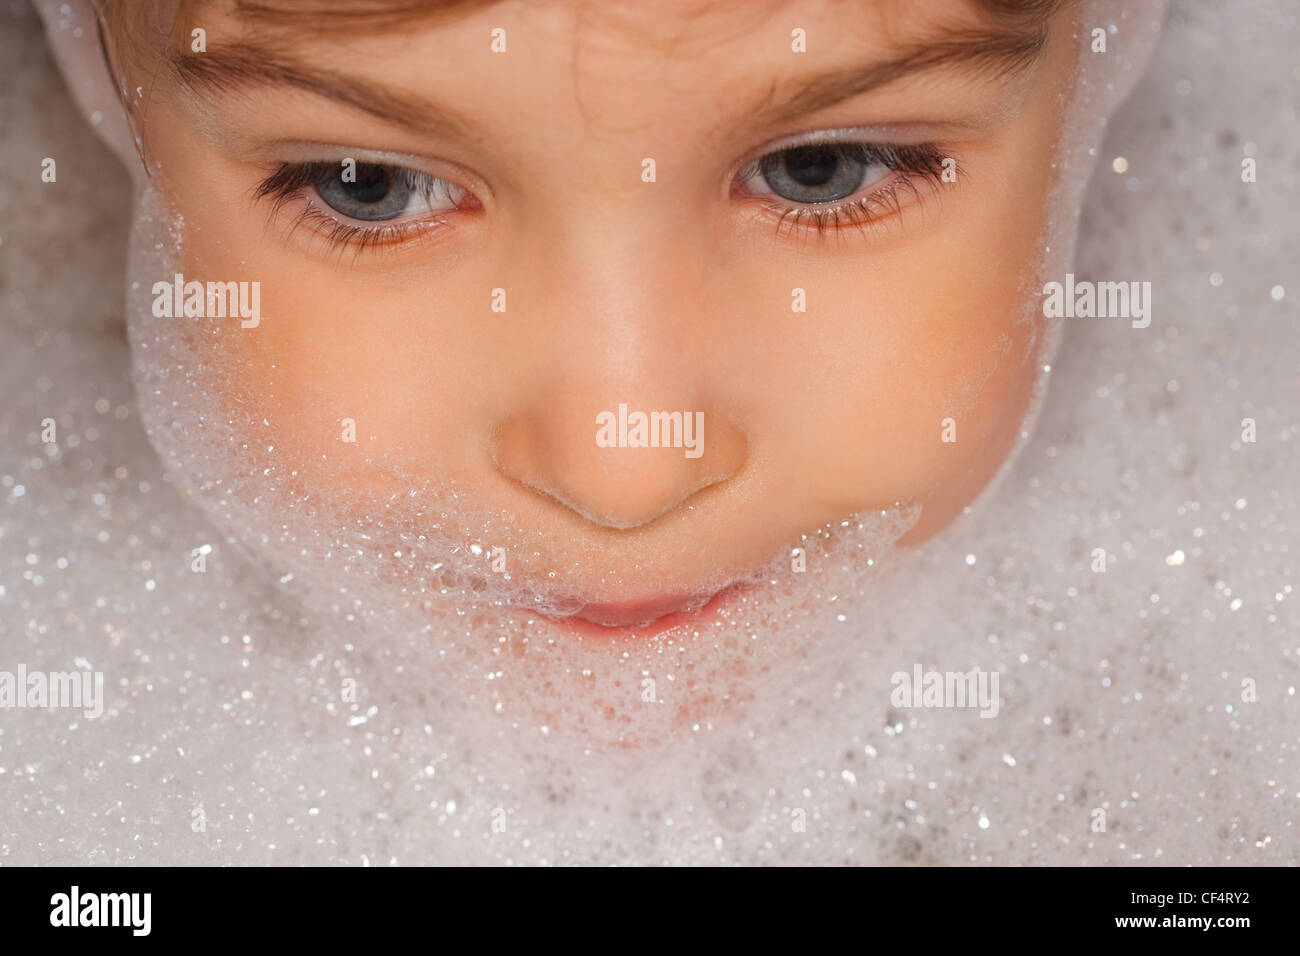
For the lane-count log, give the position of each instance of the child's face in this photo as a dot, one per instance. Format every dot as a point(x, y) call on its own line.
point(857, 329)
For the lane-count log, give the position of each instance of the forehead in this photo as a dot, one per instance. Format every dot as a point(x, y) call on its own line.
point(671, 24)
point(611, 36)
point(611, 65)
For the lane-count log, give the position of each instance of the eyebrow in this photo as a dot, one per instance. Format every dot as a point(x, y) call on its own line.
point(998, 55)
point(247, 66)
point(991, 53)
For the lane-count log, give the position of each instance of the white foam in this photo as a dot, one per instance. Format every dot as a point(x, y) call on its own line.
point(229, 700)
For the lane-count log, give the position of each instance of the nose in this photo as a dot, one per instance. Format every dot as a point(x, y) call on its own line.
point(620, 410)
point(599, 459)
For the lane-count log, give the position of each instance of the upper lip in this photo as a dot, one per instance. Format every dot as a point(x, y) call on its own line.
point(639, 612)
point(636, 612)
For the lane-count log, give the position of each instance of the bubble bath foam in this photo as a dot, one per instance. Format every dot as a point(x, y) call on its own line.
point(285, 683)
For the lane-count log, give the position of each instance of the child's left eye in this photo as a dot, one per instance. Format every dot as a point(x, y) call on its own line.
point(825, 186)
point(817, 174)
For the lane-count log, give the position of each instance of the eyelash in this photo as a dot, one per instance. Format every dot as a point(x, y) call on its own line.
point(911, 165)
point(292, 180)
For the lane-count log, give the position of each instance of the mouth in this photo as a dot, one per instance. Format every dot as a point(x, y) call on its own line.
point(646, 617)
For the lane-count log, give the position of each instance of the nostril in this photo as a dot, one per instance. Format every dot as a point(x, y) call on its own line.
point(622, 518)
point(614, 485)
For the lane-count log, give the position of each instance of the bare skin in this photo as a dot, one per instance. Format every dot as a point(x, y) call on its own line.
point(674, 294)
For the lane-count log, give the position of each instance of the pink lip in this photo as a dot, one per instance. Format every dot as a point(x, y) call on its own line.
point(645, 618)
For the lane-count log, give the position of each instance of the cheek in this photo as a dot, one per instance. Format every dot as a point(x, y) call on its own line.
point(334, 349)
point(914, 397)
point(380, 354)
point(905, 380)
point(911, 377)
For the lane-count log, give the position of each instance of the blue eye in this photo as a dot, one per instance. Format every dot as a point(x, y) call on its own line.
point(374, 193)
point(827, 185)
point(367, 192)
point(365, 205)
point(819, 173)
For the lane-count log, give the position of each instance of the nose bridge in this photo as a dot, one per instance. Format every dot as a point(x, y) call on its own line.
point(619, 292)
point(621, 414)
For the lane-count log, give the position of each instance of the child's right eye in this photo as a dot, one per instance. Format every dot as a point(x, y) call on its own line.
point(373, 192)
point(364, 204)
point(368, 192)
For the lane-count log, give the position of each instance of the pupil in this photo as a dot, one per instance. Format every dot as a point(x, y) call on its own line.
point(812, 165)
point(373, 184)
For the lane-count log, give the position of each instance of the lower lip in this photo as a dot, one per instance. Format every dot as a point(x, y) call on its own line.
point(677, 620)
